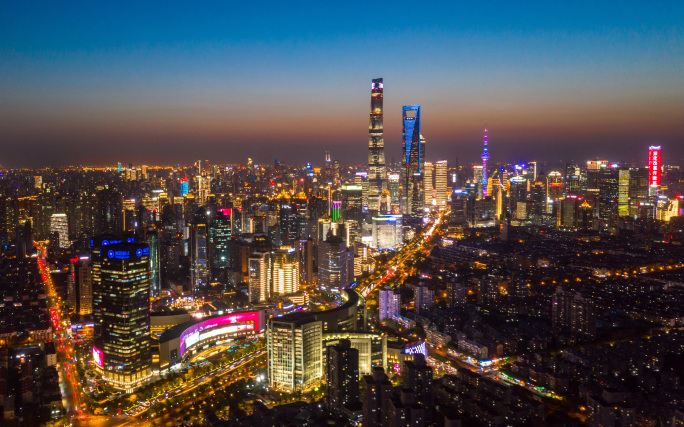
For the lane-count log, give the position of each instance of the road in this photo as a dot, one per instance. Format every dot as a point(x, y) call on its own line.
point(134, 414)
point(73, 398)
point(408, 251)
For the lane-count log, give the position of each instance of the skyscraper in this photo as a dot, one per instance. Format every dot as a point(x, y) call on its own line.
point(414, 156)
point(109, 211)
point(59, 224)
point(295, 355)
point(485, 159)
point(342, 375)
point(285, 277)
point(441, 178)
point(389, 303)
point(377, 174)
point(335, 264)
point(259, 276)
point(121, 308)
point(83, 287)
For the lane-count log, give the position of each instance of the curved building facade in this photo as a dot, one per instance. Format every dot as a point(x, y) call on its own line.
point(181, 342)
point(295, 342)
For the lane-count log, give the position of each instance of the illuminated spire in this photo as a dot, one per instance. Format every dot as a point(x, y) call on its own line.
point(485, 158)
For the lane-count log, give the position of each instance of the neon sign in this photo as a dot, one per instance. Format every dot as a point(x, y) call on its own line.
point(198, 331)
point(654, 160)
point(98, 356)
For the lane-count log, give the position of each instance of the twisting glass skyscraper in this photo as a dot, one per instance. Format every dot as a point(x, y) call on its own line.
point(414, 156)
point(377, 173)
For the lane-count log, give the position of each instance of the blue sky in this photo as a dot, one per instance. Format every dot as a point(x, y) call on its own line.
point(170, 81)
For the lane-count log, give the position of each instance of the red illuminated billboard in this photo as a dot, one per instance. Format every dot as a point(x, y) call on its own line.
point(654, 165)
point(98, 356)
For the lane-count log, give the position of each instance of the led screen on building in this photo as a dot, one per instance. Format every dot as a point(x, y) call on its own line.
point(654, 165)
point(98, 356)
point(206, 329)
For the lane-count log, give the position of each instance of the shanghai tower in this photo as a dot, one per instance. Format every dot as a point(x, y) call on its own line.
point(377, 173)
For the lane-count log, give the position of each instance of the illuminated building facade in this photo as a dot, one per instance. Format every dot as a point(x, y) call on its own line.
point(389, 303)
point(335, 264)
point(654, 162)
point(259, 266)
point(83, 287)
point(377, 174)
point(554, 191)
point(485, 159)
point(183, 341)
point(285, 274)
point(441, 184)
point(387, 232)
point(623, 191)
point(414, 156)
point(394, 184)
point(295, 353)
point(372, 347)
point(428, 184)
point(121, 309)
point(60, 224)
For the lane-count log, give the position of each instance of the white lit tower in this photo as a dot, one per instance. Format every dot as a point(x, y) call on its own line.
point(377, 173)
point(485, 159)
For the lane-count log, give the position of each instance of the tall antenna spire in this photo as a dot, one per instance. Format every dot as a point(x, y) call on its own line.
point(485, 158)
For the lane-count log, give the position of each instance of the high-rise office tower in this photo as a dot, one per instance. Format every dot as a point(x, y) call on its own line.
point(654, 161)
point(259, 266)
point(539, 194)
point(393, 185)
point(387, 232)
point(414, 156)
point(638, 190)
point(569, 209)
point(518, 194)
point(352, 202)
point(608, 183)
point(389, 303)
point(108, 212)
point(573, 175)
point(342, 375)
point(377, 174)
point(554, 191)
point(335, 264)
point(485, 159)
point(60, 224)
point(121, 308)
point(441, 184)
point(295, 353)
point(623, 191)
point(285, 274)
point(428, 184)
point(152, 239)
point(83, 287)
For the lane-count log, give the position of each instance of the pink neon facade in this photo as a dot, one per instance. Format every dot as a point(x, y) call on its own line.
point(250, 321)
point(98, 356)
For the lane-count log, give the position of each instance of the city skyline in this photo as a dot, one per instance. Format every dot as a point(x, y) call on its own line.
point(83, 86)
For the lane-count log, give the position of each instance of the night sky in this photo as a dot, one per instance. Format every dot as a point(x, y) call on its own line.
point(166, 82)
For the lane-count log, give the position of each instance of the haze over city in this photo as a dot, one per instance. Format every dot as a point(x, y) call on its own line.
point(85, 83)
